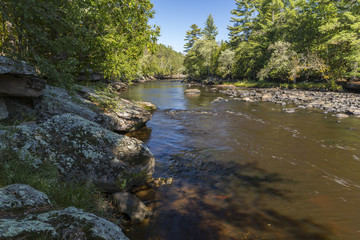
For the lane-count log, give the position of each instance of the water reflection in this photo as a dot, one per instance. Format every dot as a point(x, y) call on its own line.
point(248, 170)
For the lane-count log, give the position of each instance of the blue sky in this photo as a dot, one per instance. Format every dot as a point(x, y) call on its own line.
point(175, 17)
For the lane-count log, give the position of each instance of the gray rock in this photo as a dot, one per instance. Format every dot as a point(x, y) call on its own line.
point(130, 205)
point(56, 101)
point(3, 109)
point(18, 78)
point(20, 196)
point(84, 151)
point(69, 223)
point(124, 116)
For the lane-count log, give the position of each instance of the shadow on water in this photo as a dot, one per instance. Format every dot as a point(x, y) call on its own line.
point(217, 200)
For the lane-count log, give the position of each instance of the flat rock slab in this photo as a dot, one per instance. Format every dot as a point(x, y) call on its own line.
point(19, 79)
point(16, 67)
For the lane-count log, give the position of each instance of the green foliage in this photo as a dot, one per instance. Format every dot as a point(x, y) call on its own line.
point(191, 36)
point(164, 61)
point(63, 38)
point(296, 40)
point(199, 62)
point(226, 62)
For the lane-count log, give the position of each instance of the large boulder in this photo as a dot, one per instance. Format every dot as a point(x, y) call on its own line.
point(19, 79)
point(123, 116)
point(69, 223)
point(83, 150)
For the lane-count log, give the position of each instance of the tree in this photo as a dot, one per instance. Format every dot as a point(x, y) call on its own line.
point(163, 62)
point(225, 63)
point(199, 62)
point(63, 38)
point(191, 36)
point(243, 20)
point(210, 30)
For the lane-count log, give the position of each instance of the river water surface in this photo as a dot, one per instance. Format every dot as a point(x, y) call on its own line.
point(247, 170)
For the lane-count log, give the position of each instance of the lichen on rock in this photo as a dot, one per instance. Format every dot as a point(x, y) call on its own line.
point(20, 196)
point(83, 151)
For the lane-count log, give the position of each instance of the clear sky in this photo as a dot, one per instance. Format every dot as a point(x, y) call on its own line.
point(176, 16)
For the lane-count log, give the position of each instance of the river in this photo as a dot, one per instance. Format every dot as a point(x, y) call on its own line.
point(247, 170)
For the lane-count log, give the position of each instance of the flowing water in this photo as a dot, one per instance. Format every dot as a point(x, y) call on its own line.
point(248, 170)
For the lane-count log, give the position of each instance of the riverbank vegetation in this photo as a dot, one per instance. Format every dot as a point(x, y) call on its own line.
point(283, 42)
point(67, 40)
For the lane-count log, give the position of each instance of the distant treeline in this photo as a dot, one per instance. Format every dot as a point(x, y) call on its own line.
point(163, 62)
point(280, 40)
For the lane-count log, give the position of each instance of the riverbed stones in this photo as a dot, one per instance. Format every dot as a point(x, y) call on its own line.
point(19, 79)
point(83, 151)
point(130, 205)
point(20, 196)
point(332, 102)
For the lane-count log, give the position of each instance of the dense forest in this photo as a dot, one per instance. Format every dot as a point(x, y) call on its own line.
point(280, 40)
point(67, 39)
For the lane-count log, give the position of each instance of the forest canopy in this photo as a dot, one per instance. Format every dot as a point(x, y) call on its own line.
point(65, 38)
point(283, 41)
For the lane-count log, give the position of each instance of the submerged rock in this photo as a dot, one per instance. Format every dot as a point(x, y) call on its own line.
point(130, 205)
point(341, 115)
point(192, 91)
point(21, 196)
point(83, 151)
point(289, 110)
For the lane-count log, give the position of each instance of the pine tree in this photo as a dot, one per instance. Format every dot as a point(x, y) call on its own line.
point(243, 20)
point(210, 31)
point(191, 36)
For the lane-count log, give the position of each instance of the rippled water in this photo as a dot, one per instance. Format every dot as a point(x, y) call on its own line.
point(248, 170)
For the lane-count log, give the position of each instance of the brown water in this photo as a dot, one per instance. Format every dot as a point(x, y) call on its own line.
point(248, 170)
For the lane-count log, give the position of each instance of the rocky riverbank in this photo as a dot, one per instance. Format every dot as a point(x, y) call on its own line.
point(341, 104)
point(51, 139)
